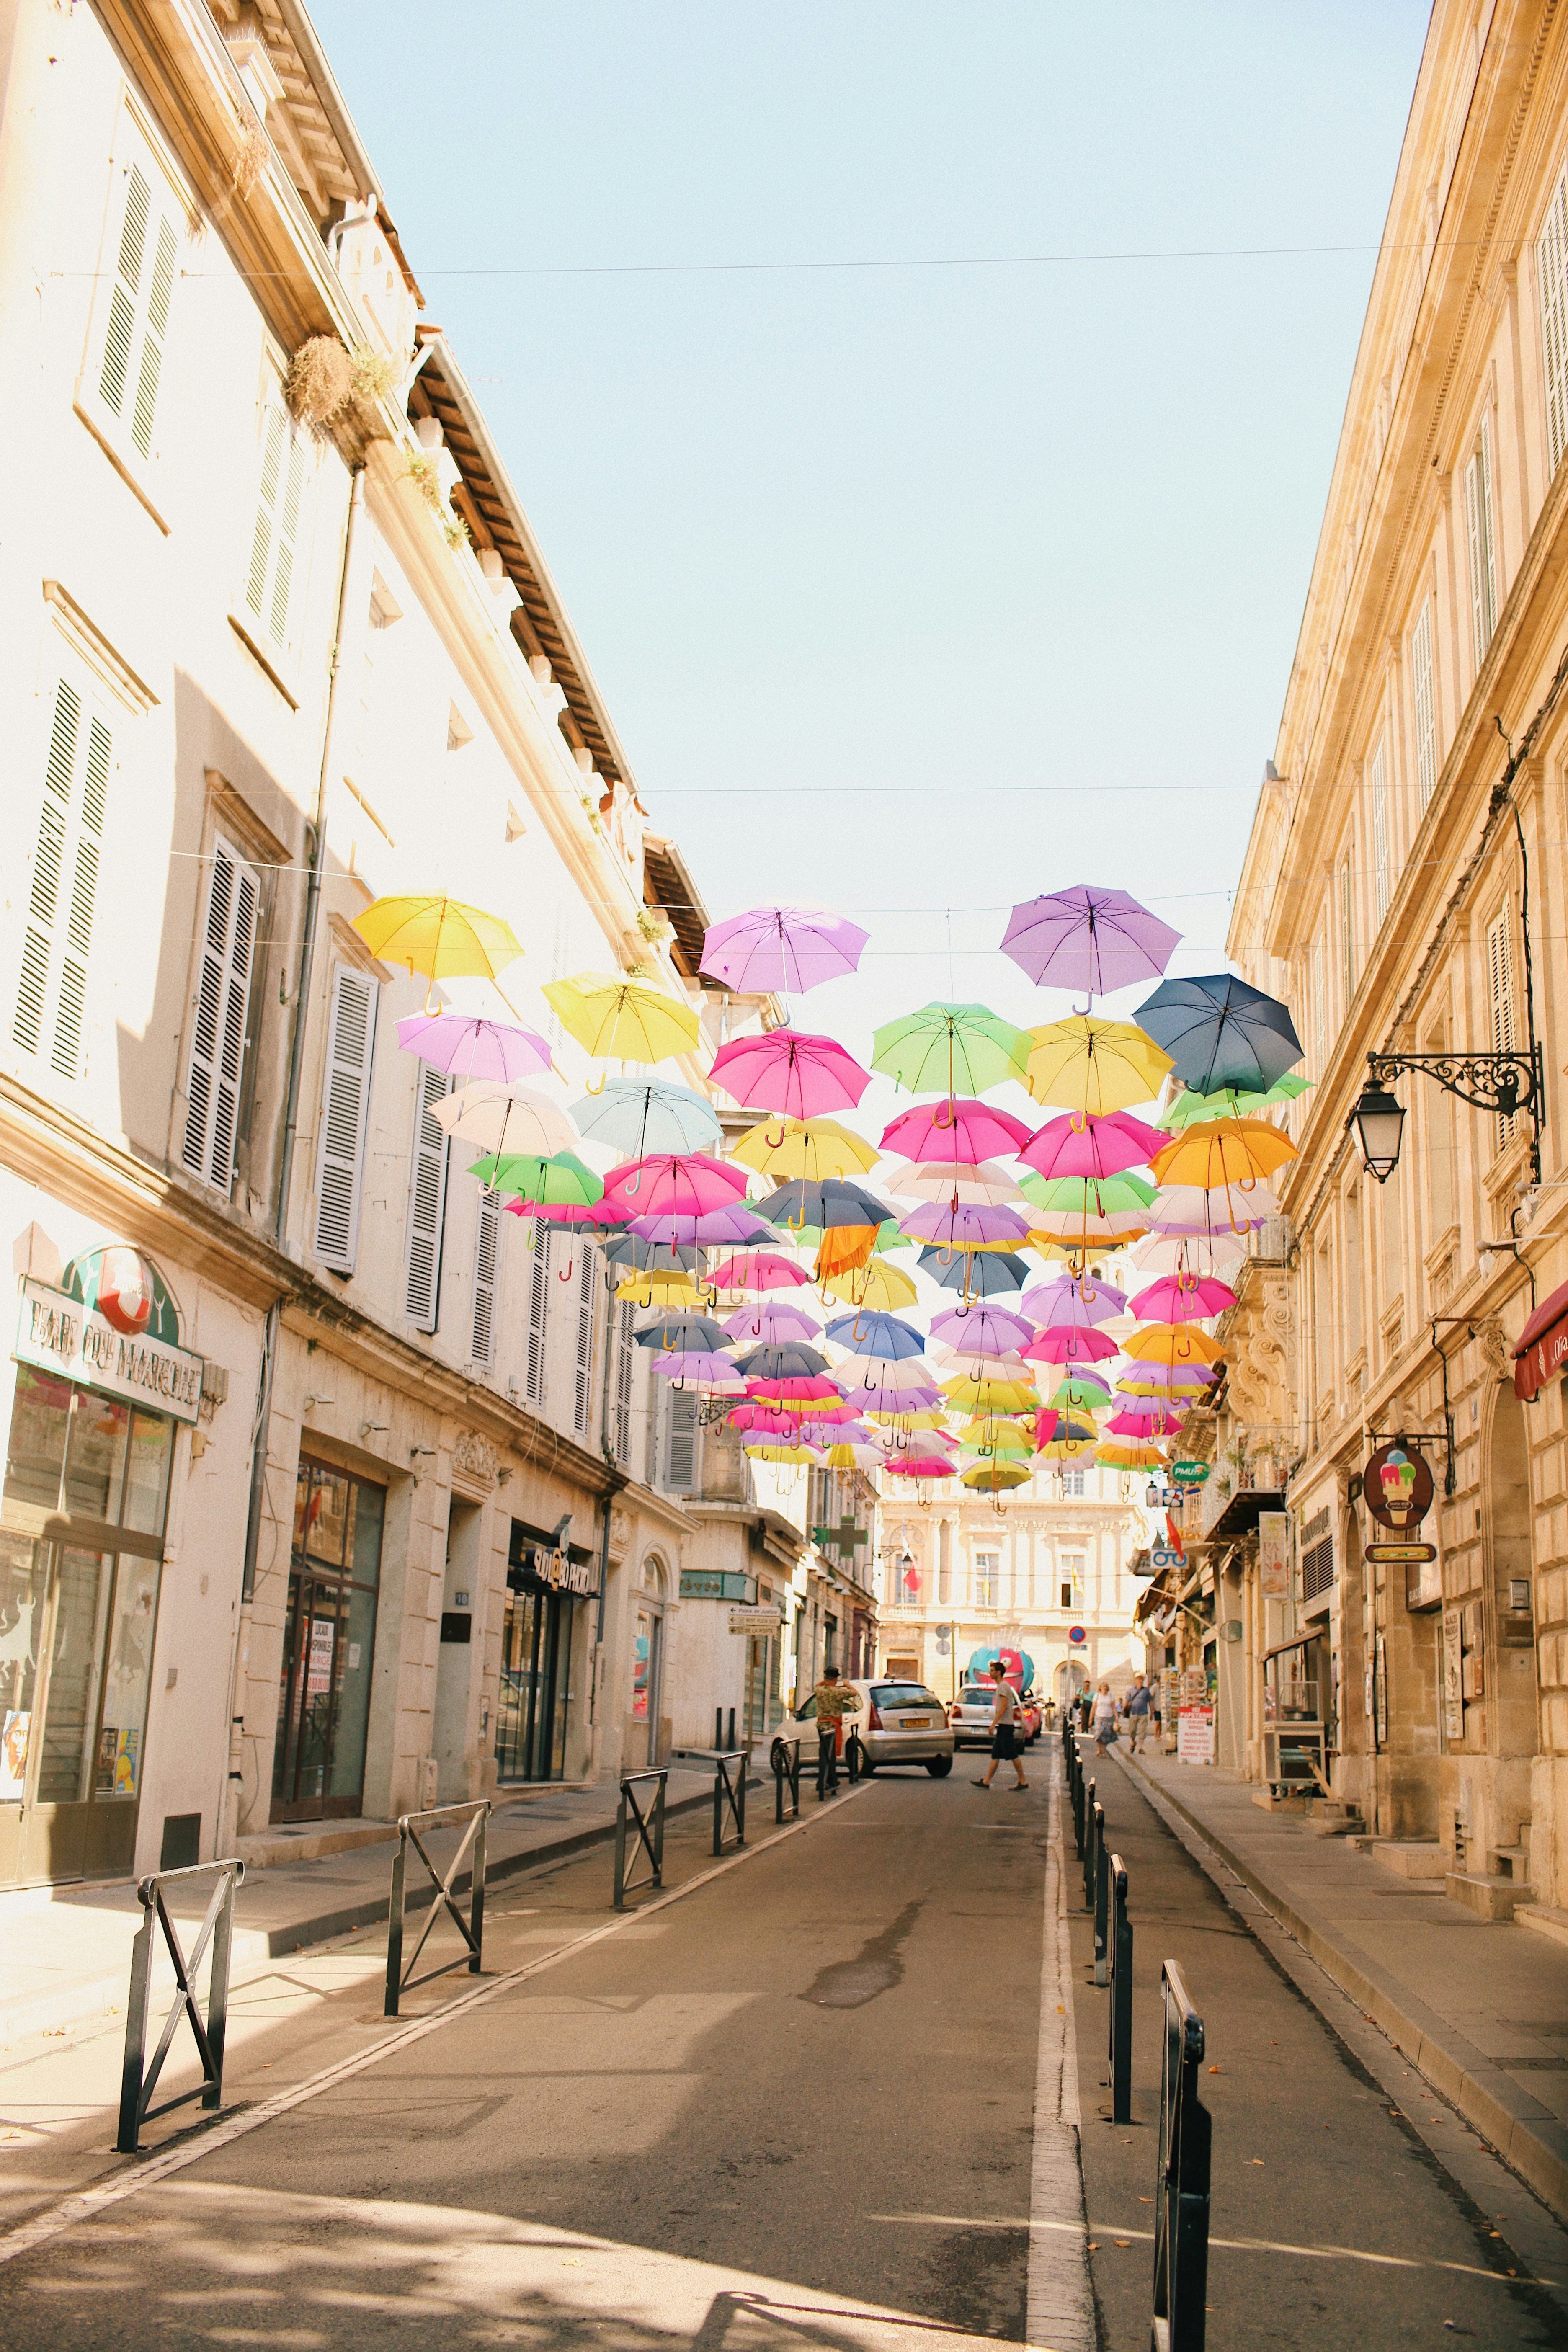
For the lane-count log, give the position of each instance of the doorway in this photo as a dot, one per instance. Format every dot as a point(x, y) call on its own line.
point(329, 1644)
point(647, 1665)
point(536, 1695)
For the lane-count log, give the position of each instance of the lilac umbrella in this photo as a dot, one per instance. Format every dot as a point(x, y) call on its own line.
point(727, 1224)
point(772, 1322)
point(1072, 1302)
point(470, 1049)
point(884, 1399)
point(974, 1227)
point(1087, 938)
point(704, 1367)
point(983, 1331)
point(792, 946)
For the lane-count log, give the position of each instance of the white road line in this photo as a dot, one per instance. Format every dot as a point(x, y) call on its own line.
point(1060, 2307)
point(90, 2202)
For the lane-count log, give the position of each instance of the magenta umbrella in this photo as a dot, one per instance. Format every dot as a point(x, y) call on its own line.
point(471, 1049)
point(1065, 1345)
point(1183, 1298)
point(1075, 1145)
point(1087, 938)
point(967, 1227)
point(954, 1131)
point(983, 1331)
point(683, 1184)
point(792, 946)
point(596, 1215)
point(1146, 1419)
point(798, 1076)
point(1072, 1303)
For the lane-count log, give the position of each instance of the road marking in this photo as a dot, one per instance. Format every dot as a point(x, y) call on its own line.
point(1059, 2309)
point(89, 2202)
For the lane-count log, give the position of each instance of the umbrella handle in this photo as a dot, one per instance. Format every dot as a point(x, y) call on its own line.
point(565, 1276)
point(667, 1343)
point(590, 1089)
point(940, 1124)
point(775, 1142)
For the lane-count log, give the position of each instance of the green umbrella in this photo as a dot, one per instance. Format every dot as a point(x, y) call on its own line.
point(1191, 1109)
point(1089, 1196)
point(961, 1049)
point(1083, 1390)
point(561, 1182)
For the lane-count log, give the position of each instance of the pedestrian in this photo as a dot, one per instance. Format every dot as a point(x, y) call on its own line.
point(1005, 1718)
point(1136, 1708)
point(835, 1700)
point(1103, 1720)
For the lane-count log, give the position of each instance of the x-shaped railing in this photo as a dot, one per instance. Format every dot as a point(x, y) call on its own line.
point(138, 2081)
point(400, 1980)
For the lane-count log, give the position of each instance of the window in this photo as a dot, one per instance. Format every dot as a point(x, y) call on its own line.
point(267, 597)
point(137, 274)
point(1320, 1004)
point(1481, 539)
point(1347, 936)
point(1072, 1482)
point(350, 1046)
point(1072, 1566)
point(218, 1037)
point(1552, 267)
point(625, 1361)
point(487, 1276)
point(1377, 779)
point(538, 1312)
point(426, 1201)
point(1499, 998)
point(1067, 1596)
point(1424, 703)
point(62, 895)
point(986, 1567)
point(680, 1440)
point(583, 1378)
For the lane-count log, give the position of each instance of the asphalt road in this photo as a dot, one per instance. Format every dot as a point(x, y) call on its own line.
point(793, 2106)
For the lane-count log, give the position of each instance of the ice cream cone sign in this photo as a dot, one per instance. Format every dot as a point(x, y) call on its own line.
point(1396, 1486)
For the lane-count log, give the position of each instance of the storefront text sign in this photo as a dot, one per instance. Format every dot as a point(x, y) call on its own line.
point(1274, 1555)
point(560, 1572)
point(60, 1335)
point(1194, 1734)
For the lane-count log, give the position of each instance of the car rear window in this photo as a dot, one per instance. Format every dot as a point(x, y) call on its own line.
point(903, 1694)
point(975, 1695)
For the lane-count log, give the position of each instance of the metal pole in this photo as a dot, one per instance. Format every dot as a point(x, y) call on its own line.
point(1089, 1846)
point(217, 1993)
point(741, 1807)
point(394, 1926)
point(658, 1829)
point(1121, 1997)
point(135, 2037)
point(718, 1805)
point(477, 1904)
point(1101, 1892)
point(620, 1892)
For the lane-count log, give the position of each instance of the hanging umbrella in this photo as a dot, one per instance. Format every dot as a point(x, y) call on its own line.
point(954, 1131)
point(1086, 1232)
point(438, 938)
point(1187, 1210)
point(1220, 1033)
point(685, 1185)
point(1226, 1151)
point(797, 1075)
point(1156, 1421)
point(1171, 1343)
point(963, 1048)
point(984, 1395)
point(1072, 1302)
point(713, 1374)
point(792, 1361)
point(562, 1181)
point(876, 1335)
point(469, 1049)
point(1081, 1145)
point(836, 1201)
point(995, 1477)
point(590, 1217)
point(761, 1270)
point(912, 1404)
point(1189, 1109)
point(990, 1273)
point(813, 1147)
point(771, 1324)
point(972, 1227)
point(1190, 1253)
point(1181, 1299)
point(877, 1283)
point(618, 1016)
point(1128, 1457)
point(1081, 1389)
point(680, 1329)
point(922, 1464)
point(1065, 1345)
point(983, 1186)
point(994, 1433)
point(898, 1374)
point(652, 1288)
point(1092, 1196)
point(638, 1116)
point(1172, 1380)
point(731, 1223)
point(1084, 1064)
point(1073, 1439)
point(993, 1330)
point(1087, 939)
point(630, 1249)
point(506, 1119)
point(791, 947)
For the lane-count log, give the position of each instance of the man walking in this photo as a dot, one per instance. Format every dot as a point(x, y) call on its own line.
point(1005, 1718)
point(1136, 1708)
point(835, 1700)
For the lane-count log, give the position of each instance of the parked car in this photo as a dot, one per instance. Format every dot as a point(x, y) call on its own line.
point(896, 1722)
point(970, 1715)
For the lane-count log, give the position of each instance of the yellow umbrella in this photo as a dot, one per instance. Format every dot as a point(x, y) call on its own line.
point(1066, 1449)
point(653, 1289)
point(1166, 1343)
point(991, 1396)
point(1128, 1457)
point(994, 1436)
point(439, 938)
point(618, 1016)
point(994, 1477)
point(816, 1149)
point(1080, 1245)
point(879, 1284)
point(1223, 1152)
point(781, 1453)
point(1085, 1064)
point(926, 1418)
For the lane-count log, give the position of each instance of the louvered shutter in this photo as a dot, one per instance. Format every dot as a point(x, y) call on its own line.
point(1425, 704)
point(1488, 528)
point(218, 1032)
point(350, 1045)
point(62, 898)
point(427, 1200)
point(1551, 267)
point(1380, 850)
point(1480, 635)
point(269, 577)
point(582, 1382)
point(537, 1308)
point(680, 1444)
point(1499, 992)
point(137, 321)
point(487, 1276)
point(626, 1360)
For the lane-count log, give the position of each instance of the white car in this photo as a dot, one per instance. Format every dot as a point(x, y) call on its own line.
point(971, 1713)
point(896, 1722)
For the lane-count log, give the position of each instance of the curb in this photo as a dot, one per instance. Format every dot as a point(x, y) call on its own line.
point(1422, 2037)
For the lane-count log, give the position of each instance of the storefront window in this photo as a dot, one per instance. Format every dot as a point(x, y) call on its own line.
point(95, 1459)
point(70, 1717)
point(24, 1591)
point(35, 1454)
point(324, 1696)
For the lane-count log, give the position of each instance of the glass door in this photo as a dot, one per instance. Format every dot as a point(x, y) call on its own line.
point(329, 1640)
point(535, 1686)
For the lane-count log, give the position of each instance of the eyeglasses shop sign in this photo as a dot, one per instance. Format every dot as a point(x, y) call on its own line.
point(60, 1335)
point(560, 1572)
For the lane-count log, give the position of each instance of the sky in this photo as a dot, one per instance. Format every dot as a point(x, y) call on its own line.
point(924, 587)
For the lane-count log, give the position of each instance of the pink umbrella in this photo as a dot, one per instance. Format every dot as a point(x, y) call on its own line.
point(792, 946)
point(768, 1326)
point(468, 1049)
point(983, 1331)
point(1087, 938)
point(596, 1215)
point(703, 1368)
point(675, 1184)
point(1183, 1298)
point(730, 1223)
point(1074, 1302)
point(798, 1076)
point(1044, 1426)
point(760, 1421)
point(812, 1388)
point(954, 1131)
point(1156, 1421)
point(963, 1227)
point(921, 1465)
point(1064, 1345)
point(759, 1270)
point(1076, 1145)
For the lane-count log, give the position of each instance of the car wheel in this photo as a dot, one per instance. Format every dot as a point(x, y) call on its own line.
point(867, 1765)
point(939, 1767)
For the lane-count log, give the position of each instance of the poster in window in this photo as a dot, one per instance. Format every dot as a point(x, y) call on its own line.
point(1274, 1555)
point(107, 1748)
point(14, 1734)
point(319, 1666)
point(1194, 1734)
point(127, 1758)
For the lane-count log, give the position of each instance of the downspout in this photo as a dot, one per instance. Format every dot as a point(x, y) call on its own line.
point(617, 1482)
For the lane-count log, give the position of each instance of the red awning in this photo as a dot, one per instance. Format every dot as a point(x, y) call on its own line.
point(1543, 1349)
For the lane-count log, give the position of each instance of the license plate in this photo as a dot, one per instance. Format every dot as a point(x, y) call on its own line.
point(917, 1722)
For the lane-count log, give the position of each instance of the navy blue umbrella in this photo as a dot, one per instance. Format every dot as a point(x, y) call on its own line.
point(1221, 1032)
point(681, 1328)
point(876, 1335)
point(980, 1274)
point(652, 1257)
point(790, 1363)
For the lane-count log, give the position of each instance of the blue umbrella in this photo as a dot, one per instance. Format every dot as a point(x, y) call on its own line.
point(1220, 1033)
point(980, 1274)
point(642, 1115)
point(680, 1327)
point(783, 1363)
point(834, 1202)
point(876, 1335)
point(652, 1257)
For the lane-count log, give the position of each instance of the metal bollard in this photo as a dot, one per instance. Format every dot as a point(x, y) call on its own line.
point(649, 1831)
point(138, 2081)
point(732, 1739)
point(731, 1792)
point(1079, 1826)
point(1101, 1901)
point(1181, 2179)
point(786, 1774)
point(1120, 1996)
point(717, 1726)
point(1088, 1847)
point(472, 1930)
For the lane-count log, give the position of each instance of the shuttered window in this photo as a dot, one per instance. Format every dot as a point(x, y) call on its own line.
point(340, 1175)
point(487, 1276)
point(145, 251)
point(1319, 1006)
point(681, 1439)
point(538, 1313)
point(1499, 996)
point(218, 1032)
point(583, 1372)
point(269, 591)
point(1552, 267)
point(625, 1362)
point(1347, 939)
point(426, 1201)
point(1482, 542)
point(62, 896)
point(1424, 703)
point(1378, 780)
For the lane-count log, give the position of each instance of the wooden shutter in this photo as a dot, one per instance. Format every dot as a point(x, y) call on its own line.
point(269, 582)
point(137, 321)
point(583, 1381)
point(1424, 705)
point(487, 1276)
point(1488, 528)
point(681, 1442)
point(1499, 993)
point(426, 1201)
point(62, 897)
point(538, 1312)
point(625, 1361)
point(1479, 523)
point(218, 1032)
point(1552, 267)
point(350, 1046)
point(1479, 634)
point(1380, 856)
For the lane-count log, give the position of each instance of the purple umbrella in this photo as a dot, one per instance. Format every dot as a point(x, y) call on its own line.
point(765, 1320)
point(472, 1049)
point(731, 1224)
point(983, 1330)
point(1087, 938)
point(792, 946)
point(867, 1400)
point(1072, 1304)
point(965, 1227)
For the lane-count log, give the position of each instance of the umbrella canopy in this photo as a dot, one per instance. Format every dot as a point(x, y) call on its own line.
point(1190, 1109)
point(791, 946)
point(1221, 1032)
point(655, 1289)
point(1069, 1444)
point(1083, 1390)
point(722, 1227)
point(1092, 1196)
point(799, 1076)
point(995, 1477)
point(681, 1328)
point(963, 1048)
point(1151, 1421)
point(1190, 1253)
point(759, 1270)
point(907, 1404)
point(988, 1274)
point(1065, 1345)
point(1171, 1343)
point(922, 1464)
point(1072, 1301)
point(954, 1131)
point(1083, 1063)
point(1166, 1379)
point(506, 1119)
point(813, 1147)
point(1077, 1226)
point(983, 1186)
point(1181, 1299)
point(1087, 938)
point(836, 1201)
point(791, 1361)
point(562, 1181)
point(590, 1217)
point(988, 1331)
point(701, 1368)
point(1126, 1456)
point(638, 1116)
point(1078, 1145)
point(685, 1185)
point(618, 1016)
point(875, 1283)
point(771, 1324)
point(969, 1227)
point(1224, 1151)
point(469, 1049)
point(630, 1249)
point(438, 938)
point(1222, 1215)
point(875, 1334)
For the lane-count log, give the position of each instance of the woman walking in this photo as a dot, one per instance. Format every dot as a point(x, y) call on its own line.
point(1103, 1720)
point(1005, 1717)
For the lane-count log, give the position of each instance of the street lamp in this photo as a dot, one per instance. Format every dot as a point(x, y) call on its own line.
point(1378, 1123)
point(1504, 1083)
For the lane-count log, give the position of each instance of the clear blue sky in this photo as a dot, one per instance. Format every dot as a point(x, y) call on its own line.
point(926, 530)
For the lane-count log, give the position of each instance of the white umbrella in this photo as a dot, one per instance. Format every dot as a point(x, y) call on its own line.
point(503, 1119)
point(986, 1185)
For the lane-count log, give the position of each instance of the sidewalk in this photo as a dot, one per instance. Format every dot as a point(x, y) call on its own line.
point(68, 1948)
point(1480, 2007)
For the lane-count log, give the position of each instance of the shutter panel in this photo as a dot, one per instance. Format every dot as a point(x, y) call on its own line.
point(274, 429)
point(681, 1447)
point(427, 1200)
point(625, 1360)
point(1551, 266)
point(351, 1044)
point(1380, 857)
point(137, 321)
point(1479, 632)
point(538, 1309)
point(583, 1386)
point(269, 578)
point(1425, 708)
point(1488, 528)
point(487, 1276)
point(218, 1034)
point(62, 899)
point(1499, 990)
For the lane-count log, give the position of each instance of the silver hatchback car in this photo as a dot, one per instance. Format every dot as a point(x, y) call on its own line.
point(896, 1723)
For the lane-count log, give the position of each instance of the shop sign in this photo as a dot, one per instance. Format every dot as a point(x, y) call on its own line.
point(759, 1621)
point(60, 1335)
point(1274, 1555)
point(1194, 1734)
point(559, 1570)
point(1397, 1487)
point(1189, 1473)
point(1410, 1552)
point(1161, 1556)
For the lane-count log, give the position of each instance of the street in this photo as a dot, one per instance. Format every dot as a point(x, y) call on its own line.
point(796, 2102)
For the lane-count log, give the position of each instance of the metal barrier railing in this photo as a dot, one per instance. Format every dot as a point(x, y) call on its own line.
point(1101, 1901)
point(731, 1767)
point(1086, 1846)
point(649, 1831)
point(138, 2081)
point(1181, 2181)
point(1120, 1996)
point(785, 1760)
point(399, 1980)
point(856, 1757)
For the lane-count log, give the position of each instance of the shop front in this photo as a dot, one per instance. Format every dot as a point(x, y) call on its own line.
point(329, 1644)
point(552, 1584)
point(101, 1384)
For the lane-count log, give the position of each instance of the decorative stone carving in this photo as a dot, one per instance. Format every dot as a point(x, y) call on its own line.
point(474, 1460)
point(620, 1532)
point(1497, 1355)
